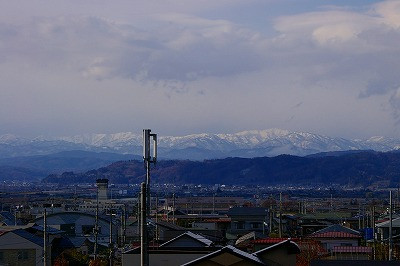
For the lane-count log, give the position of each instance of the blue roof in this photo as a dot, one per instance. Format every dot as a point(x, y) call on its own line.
point(50, 230)
point(8, 218)
point(28, 236)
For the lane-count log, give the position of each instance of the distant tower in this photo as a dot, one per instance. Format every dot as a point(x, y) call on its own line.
point(102, 189)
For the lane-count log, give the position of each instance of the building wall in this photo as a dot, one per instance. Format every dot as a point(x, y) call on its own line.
point(330, 243)
point(278, 257)
point(160, 259)
point(15, 249)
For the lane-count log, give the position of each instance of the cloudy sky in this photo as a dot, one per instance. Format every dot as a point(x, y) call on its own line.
point(192, 66)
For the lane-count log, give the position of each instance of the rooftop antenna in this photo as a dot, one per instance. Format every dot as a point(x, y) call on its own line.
point(148, 158)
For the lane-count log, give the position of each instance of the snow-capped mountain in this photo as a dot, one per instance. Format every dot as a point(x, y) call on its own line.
point(254, 143)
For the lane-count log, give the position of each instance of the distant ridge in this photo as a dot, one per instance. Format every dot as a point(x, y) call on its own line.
point(246, 144)
point(366, 169)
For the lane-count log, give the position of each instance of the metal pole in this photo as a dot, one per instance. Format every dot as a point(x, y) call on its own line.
point(144, 256)
point(96, 227)
point(124, 228)
point(280, 215)
point(45, 238)
point(148, 187)
point(111, 239)
point(156, 218)
point(390, 227)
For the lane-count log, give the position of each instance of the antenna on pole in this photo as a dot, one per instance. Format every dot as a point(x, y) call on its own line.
point(148, 158)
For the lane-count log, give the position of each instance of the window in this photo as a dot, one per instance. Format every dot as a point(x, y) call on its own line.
point(240, 225)
point(69, 229)
point(87, 229)
point(255, 225)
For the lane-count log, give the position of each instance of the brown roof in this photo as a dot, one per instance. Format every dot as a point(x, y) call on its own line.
point(272, 240)
point(343, 249)
point(334, 235)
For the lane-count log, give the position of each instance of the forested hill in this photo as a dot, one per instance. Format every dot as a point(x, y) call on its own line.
point(364, 168)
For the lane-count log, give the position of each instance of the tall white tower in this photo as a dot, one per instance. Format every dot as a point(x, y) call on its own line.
point(102, 189)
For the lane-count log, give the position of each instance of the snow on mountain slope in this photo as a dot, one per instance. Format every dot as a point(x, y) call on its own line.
point(250, 143)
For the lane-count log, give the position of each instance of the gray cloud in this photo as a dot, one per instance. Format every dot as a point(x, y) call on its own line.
point(338, 61)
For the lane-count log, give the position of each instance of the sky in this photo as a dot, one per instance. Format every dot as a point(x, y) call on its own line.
point(180, 67)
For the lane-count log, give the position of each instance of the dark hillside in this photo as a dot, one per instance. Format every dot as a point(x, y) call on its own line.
point(358, 169)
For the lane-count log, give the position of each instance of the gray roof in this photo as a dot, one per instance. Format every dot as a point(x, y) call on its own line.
point(231, 250)
point(50, 230)
point(337, 228)
point(247, 211)
point(395, 223)
point(196, 237)
point(28, 236)
point(293, 248)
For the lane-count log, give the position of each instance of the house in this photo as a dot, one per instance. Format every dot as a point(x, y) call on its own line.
point(227, 256)
point(283, 253)
point(351, 253)
point(188, 239)
point(183, 248)
point(382, 229)
point(247, 219)
point(18, 247)
point(245, 241)
point(261, 243)
point(337, 235)
point(77, 224)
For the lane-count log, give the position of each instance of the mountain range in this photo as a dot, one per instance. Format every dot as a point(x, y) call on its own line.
point(245, 144)
point(368, 169)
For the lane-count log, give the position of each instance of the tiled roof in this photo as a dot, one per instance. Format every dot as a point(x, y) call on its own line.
point(343, 249)
point(221, 220)
point(272, 240)
point(334, 235)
